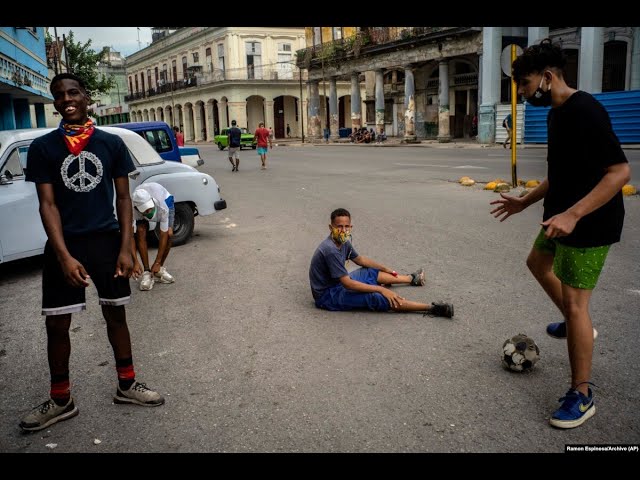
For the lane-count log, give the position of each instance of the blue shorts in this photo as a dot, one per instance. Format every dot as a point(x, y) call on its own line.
point(262, 150)
point(338, 298)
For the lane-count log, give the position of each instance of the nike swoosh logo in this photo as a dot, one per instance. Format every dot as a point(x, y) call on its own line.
point(584, 408)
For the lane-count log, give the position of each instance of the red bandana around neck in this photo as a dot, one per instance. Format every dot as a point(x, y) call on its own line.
point(76, 136)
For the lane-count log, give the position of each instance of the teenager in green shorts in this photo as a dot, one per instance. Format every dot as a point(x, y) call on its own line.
point(583, 211)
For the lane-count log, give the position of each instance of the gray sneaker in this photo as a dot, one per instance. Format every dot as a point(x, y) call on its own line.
point(139, 394)
point(146, 281)
point(163, 276)
point(46, 414)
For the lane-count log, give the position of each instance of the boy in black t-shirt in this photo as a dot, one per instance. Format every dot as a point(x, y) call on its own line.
point(583, 211)
point(75, 169)
point(234, 136)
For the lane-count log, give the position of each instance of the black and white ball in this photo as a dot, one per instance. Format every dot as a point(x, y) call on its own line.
point(520, 353)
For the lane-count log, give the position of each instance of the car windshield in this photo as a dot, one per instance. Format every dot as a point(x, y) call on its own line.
point(141, 151)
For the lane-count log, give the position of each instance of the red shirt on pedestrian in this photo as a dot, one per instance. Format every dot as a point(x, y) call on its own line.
point(262, 136)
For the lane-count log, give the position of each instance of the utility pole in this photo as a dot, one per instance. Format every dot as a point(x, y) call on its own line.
point(301, 104)
point(55, 50)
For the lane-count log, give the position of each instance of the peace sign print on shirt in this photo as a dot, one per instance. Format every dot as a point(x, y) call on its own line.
point(82, 181)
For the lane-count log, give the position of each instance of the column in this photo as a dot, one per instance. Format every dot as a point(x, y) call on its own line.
point(444, 135)
point(197, 120)
point(591, 57)
point(635, 60)
point(222, 114)
point(379, 101)
point(314, 110)
point(211, 123)
point(535, 34)
point(356, 110)
point(187, 123)
point(268, 115)
point(491, 76)
point(333, 109)
point(238, 112)
point(409, 106)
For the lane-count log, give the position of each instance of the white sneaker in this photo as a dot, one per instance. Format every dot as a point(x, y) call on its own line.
point(146, 282)
point(163, 276)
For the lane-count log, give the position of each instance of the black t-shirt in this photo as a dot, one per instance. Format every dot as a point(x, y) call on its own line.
point(234, 137)
point(581, 145)
point(83, 185)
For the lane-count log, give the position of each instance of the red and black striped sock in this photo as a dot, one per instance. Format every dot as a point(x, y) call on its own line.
point(60, 389)
point(126, 375)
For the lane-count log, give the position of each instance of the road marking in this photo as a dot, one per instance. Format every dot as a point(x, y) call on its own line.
point(503, 156)
point(637, 292)
point(432, 165)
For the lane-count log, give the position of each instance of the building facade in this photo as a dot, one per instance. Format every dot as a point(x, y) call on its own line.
point(440, 82)
point(201, 78)
point(24, 82)
point(111, 107)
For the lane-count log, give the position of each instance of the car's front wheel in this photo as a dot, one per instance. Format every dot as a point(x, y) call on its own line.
point(182, 225)
point(220, 146)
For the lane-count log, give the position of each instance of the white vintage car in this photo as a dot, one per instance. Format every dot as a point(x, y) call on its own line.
point(21, 231)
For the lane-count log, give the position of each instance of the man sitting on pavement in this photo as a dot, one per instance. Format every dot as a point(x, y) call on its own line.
point(334, 288)
point(152, 203)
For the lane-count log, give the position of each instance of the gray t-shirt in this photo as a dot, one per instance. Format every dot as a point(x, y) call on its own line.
point(328, 265)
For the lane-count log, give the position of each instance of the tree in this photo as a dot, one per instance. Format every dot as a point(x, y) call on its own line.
point(83, 61)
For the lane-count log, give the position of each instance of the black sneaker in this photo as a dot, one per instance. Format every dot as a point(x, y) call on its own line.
point(440, 309)
point(48, 413)
point(559, 330)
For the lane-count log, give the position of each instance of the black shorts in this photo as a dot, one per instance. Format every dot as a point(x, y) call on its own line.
point(98, 254)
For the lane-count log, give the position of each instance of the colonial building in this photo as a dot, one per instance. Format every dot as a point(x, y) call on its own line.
point(430, 82)
point(111, 107)
point(24, 82)
point(201, 78)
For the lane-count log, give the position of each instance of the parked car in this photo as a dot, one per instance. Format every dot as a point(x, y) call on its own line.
point(246, 139)
point(161, 137)
point(21, 231)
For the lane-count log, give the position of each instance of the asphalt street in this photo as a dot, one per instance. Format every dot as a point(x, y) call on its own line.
point(248, 364)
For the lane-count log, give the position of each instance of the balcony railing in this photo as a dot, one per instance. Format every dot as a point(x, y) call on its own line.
point(368, 40)
point(270, 72)
point(266, 73)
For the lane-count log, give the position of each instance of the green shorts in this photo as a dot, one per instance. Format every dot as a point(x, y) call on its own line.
point(576, 267)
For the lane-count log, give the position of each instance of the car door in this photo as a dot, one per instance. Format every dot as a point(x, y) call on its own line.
point(21, 230)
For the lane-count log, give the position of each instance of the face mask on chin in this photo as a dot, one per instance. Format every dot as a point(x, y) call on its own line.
point(540, 98)
point(149, 215)
point(340, 236)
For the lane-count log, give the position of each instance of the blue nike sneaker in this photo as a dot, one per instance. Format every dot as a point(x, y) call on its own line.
point(576, 409)
point(559, 330)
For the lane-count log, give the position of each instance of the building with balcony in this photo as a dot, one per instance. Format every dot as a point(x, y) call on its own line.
point(24, 81)
point(402, 68)
point(430, 82)
point(111, 107)
point(201, 78)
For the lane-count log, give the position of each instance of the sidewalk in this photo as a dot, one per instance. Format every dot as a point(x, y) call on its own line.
point(397, 142)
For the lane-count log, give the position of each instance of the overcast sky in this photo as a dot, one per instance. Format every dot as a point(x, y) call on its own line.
point(122, 39)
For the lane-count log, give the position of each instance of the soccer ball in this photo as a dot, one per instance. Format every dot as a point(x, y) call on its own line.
point(520, 353)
